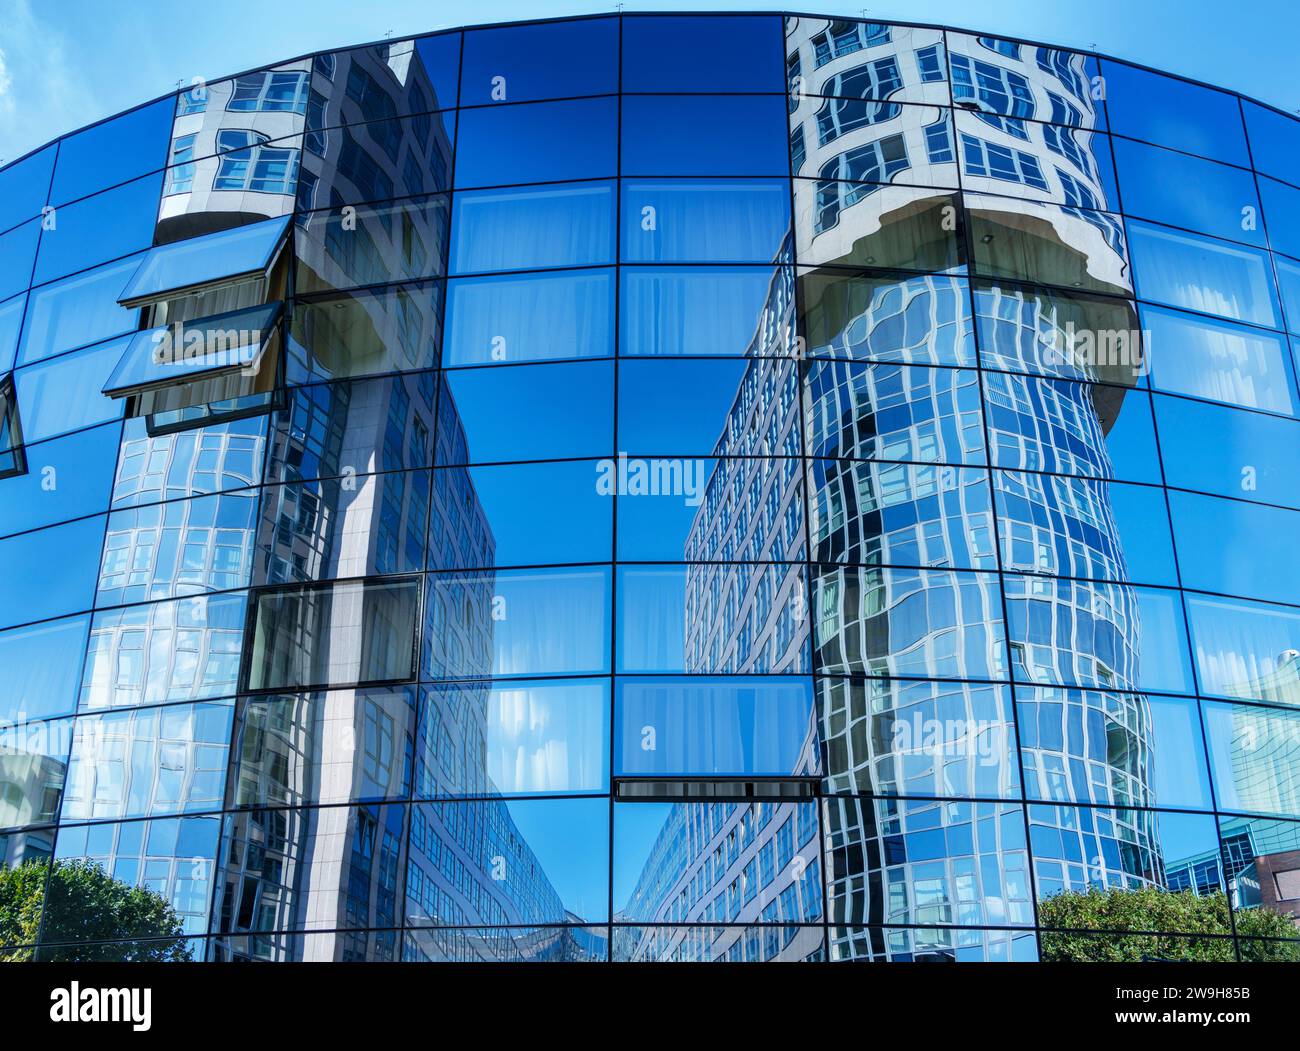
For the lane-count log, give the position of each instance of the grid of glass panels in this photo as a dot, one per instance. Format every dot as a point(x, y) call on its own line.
point(823, 493)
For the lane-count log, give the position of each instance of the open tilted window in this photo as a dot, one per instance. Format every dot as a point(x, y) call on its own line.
point(209, 348)
point(12, 460)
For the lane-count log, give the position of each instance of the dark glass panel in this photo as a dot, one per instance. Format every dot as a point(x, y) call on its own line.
point(869, 225)
point(538, 142)
point(338, 634)
point(548, 60)
point(703, 135)
point(703, 53)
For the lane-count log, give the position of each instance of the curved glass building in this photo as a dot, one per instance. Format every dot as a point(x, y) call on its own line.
point(700, 487)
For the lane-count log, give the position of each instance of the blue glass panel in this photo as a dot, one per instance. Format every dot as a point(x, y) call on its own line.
point(1212, 359)
point(530, 317)
point(119, 149)
point(555, 411)
point(538, 142)
point(705, 311)
point(533, 737)
point(550, 861)
point(440, 55)
point(66, 478)
point(11, 323)
point(1237, 548)
point(1282, 214)
point(24, 187)
point(703, 53)
point(517, 622)
point(528, 514)
point(1245, 649)
point(714, 727)
point(17, 254)
point(243, 251)
point(29, 591)
point(1288, 280)
point(77, 311)
point(64, 394)
point(1254, 758)
point(147, 762)
point(553, 60)
point(704, 221)
point(532, 228)
point(1274, 141)
point(1185, 191)
point(1172, 112)
point(1224, 451)
point(1198, 273)
point(42, 669)
point(100, 228)
point(674, 619)
point(703, 135)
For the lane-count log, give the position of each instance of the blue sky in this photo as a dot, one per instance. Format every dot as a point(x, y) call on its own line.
point(67, 63)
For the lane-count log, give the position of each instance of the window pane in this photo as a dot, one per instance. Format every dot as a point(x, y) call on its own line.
point(517, 623)
point(909, 622)
point(11, 320)
point(1255, 758)
point(710, 53)
point(712, 619)
point(533, 228)
point(1245, 649)
point(112, 152)
point(706, 727)
point(1172, 112)
point(1212, 359)
point(29, 591)
point(919, 320)
point(24, 187)
point(1274, 140)
point(552, 60)
point(33, 763)
point(81, 465)
point(1282, 214)
point(867, 225)
point(1096, 635)
point(337, 635)
point(556, 411)
point(541, 142)
point(538, 737)
point(1185, 191)
point(838, 58)
point(148, 761)
point(520, 515)
point(1235, 548)
point(77, 311)
point(530, 317)
point(41, 667)
point(703, 135)
point(1197, 273)
point(1228, 452)
point(98, 229)
point(297, 749)
point(704, 221)
point(66, 394)
point(17, 254)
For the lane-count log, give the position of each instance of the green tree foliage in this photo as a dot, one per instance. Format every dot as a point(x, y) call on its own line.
point(85, 905)
point(1117, 911)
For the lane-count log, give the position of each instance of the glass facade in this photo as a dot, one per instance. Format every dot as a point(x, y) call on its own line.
point(647, 488)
